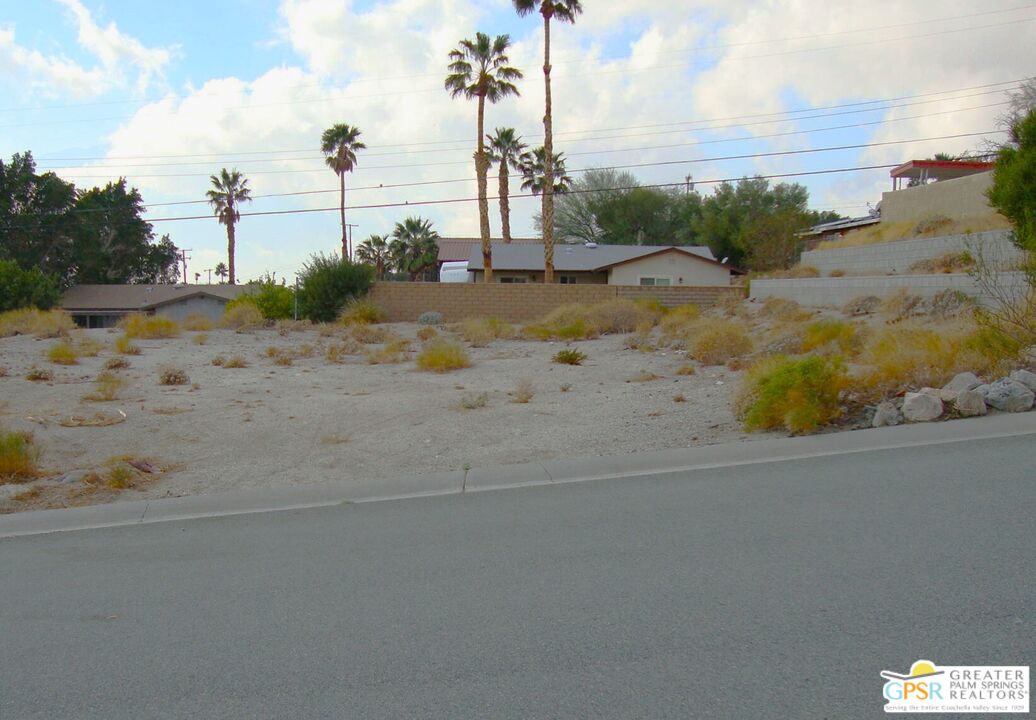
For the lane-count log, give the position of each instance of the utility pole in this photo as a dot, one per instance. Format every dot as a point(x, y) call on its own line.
point(296, 297)
point(184, 257)
point(209, 271)
point(350, 246)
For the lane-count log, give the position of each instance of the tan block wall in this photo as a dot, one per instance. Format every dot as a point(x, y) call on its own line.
point(404, 302)
point(954, 199)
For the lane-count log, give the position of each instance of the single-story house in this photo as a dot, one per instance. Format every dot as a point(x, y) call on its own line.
point(650, 265)
point(102, 306)
point(458, 249)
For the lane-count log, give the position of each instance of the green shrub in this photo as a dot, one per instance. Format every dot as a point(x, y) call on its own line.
point(328, 283)
point(18, 457)
point(361, 311)
point(26, 288)
point(63, 353)
point(799, 395)
point(430, 318)
point(831, 333)
point(569, 357)
point(442, 356)
point(274, 301)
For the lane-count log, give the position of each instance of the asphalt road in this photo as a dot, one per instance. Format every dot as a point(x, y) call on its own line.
point(764, 591)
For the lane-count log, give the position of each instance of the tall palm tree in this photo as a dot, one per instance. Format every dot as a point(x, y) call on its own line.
point(414, 247)
point(563, 11)
point(505, 148)
point(339, 144)
point(478, 69)
point(229, 190)
point(375, 252)
point(533, 167)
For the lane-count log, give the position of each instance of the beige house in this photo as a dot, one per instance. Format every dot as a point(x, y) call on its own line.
point(645, 265)
point(101, 306)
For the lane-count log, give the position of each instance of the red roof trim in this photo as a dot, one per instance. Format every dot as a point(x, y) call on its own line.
point(941, 164)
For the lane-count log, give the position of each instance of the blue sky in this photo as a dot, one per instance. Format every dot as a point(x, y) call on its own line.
point(102, 89)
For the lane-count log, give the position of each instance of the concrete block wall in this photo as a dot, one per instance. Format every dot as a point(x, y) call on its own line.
point(898, 256)
point(954, 199)
point(405, 302)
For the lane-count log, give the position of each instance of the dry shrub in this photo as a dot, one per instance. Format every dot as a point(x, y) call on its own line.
point(3, 371)
point(121, 477)
point(948, 304)
point(678, 321)
point(799, 271)
point(284, 327)
point(442, 356)
point(901, 305)
point(63, 353)
point(370, 335)
point(218, 361)
point(116, 363)
point(832, 336)
point(305, 350)
point(523, 391)
point(730, 304)
point(641, 340)
point(86, 347)
point(173, 376)
point(337, 352)
point(37, 374)
point(426, 333)
point(125, 347)
point(362, 312)
point(326, 330)
point(797, 394)
point(776, 308)
point(679, 398)
point(565, 387)
point(107, 387)
point(932, 225)
point(149, 327)
point(644, 376)
point(235, 362)
point(714, 342)
point(569, 356)
point(685, 370)
point(836, 273)
point(285, 359)
point(243, 316)
point(952, 262)
point(566, 322)
point(19, 457)
point(197, 321)
point(862, 305)
point(41, 323)
point(474, 401)
point(200, 338)
point(481, 332)
point(393, 353)
point(623, 316)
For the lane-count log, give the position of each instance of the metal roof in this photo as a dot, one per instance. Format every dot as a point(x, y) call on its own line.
point(940, 169)
point(459, 249)
point(141, 297)
point(575, 258)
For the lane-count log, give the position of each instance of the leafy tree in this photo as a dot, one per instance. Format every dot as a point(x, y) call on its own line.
point(1013, 192)
point(534, 173)
point(414, 247)
point(575, 218)
point(229, 190)
point(1020, 103)
point(221, 271)
point(375, 252)
point(563, 11)
point(26, 288)
point(641, 216)
point(479, 69)
point(327, 283)
point(505, 148)
point(339, 144)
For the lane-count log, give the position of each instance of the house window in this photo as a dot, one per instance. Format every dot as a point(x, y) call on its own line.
point(568, 280)
point(511, 279)
point(656, 281)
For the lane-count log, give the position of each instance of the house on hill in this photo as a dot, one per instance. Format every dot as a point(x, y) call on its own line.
point(102, 306)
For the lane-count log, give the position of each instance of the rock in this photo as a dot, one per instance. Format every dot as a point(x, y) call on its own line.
point(72, 476)
point(886, 414)
point(921, 407)
point(970, 403)
point(1026, 378)
point(943, 394)
point(1008, 395)
point(962, 381)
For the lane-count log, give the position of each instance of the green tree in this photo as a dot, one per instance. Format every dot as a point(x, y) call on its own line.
point(229, 190)
point(1013, 192)
point(327, 283)
point(479, 69)
point(575, 219)
point(26, 288)
point(563, 11)
point(339, 144)
point(414, 247)
point(375, 252)
point(505, 149)
point(533, 166)
point(221, 271)
point(641, 216)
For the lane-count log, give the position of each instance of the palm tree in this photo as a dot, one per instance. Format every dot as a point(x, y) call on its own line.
point(414, 247)
point(375, 251)
point(478, 69)
point(534, 173)
point(221, 271)
point(505, 148)
point(229, 190)
point(564, 11)
point(339, 144)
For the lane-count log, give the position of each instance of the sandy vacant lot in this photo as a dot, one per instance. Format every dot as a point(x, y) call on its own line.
point(267, 424)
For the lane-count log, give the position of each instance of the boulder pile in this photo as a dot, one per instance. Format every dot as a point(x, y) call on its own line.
point(966, 395)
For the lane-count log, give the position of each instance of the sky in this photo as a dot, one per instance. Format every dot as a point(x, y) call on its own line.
point(165, 94)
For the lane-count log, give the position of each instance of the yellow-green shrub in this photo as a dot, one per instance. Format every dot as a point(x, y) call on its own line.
point(197, 322)
point(362, 312)
point(149, 327)
point(831, 333)
point(442, 356)
point(784, 310)
point(63, 353)
point(481, 332)
point(714, 342)
point(19, 456)
point(123, 346)
point(678, 321)
point(107, 387)
point(796, 394)
point(623, 316)
point(41, 323)
point(242, 313)
point(426, 333)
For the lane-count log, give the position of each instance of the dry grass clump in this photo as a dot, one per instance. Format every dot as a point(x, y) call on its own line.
point(569, 356)
point(799, 271)
point(783, 310)
point(337, 352)
point(196, 322)
point(63, 353)
point(442, 356)
point(679, 398)
point(218, 360)
point(19, 457)
point(641, 340)
point(901, 305)
point(947, 304)
point(306, 350)
point(480, 332)
point(523, 391)
point(87, 347)
point(284, 359)
point(41, 323)
point(644, 376)
point(235, 362)
point(243, 316)
point(426, 333)
point(37, 374)
point(3, 371)
point(200, 338)
point(370, 335)
point(576, 321)
point(392, 353)
point(173, 376)
point(149, 327)
point(891, 232)
point(284, 327)
point(623, 316)
point(121, 477)
point(685, 370)
point(125, 347)
point(832, 336)
point(362, 312)
point(474, 401)
point(862, 305)
point(796, 394)
point(678, 321)
point(116, 363)
point(714, 342)
point(107, 387)
point(951, 262)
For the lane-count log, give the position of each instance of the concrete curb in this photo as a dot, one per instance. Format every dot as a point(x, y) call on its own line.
point(488, 478)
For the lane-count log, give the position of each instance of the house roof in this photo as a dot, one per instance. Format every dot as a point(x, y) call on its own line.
point(459, 249)
point(940, 169)
point(843, 224)
point(577, 258)
point(141, 297)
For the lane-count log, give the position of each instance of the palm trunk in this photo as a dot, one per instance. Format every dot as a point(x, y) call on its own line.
point(230, 251)
point(482, 173)
point(345, 249)
point(548, 160)
point(505, 203)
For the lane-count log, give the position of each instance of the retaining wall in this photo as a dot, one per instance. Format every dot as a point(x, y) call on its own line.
point(954, 199)
point(898, 256)
point(404, 302)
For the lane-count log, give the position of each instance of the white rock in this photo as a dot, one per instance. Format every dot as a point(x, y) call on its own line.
point(970, 403)
point(1026, 378)
point(921, 407)
point(942, 393)
point(962, 381)
point(1008, 395)
point(886, 414)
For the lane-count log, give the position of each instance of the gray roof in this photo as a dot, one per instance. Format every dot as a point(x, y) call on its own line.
point(142, 297)
point(575, 258)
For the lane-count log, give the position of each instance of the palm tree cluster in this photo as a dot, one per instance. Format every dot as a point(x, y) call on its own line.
point(411, 249)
